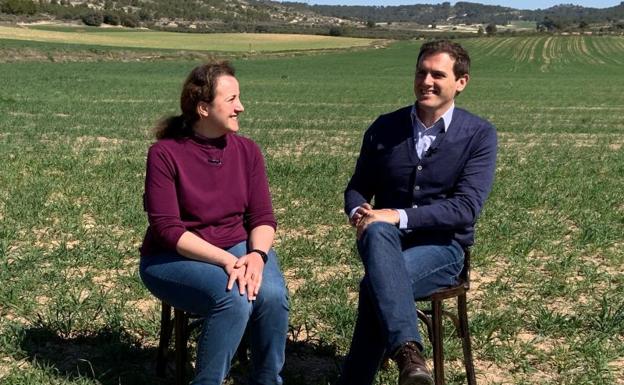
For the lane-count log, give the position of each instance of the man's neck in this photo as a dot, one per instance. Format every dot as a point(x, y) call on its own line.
point(430, 117)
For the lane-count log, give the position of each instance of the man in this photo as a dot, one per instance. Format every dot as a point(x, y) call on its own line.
point(429, 168)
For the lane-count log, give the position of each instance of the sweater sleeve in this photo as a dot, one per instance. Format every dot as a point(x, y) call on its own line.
point(471, 190)
point(160, 199)
point(260, 210)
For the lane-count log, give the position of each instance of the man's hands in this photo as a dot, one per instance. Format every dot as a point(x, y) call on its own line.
point(247, 272)
point(365, 215)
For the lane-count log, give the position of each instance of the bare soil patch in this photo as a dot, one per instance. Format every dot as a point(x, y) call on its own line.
point(617, 370)
point(491, 373)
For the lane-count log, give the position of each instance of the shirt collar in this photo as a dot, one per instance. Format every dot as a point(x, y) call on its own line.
point(446, 117)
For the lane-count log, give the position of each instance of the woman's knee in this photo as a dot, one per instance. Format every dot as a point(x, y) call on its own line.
point(273, 295)
point(234, 302)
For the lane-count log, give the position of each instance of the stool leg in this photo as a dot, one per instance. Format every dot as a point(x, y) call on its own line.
point(438, 350)
point(465, 336)
point(427, 320)
point(165, 337)
point(180, 321)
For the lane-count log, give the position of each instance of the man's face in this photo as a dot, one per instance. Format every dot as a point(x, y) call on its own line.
point(435, 84)
point(222, 113)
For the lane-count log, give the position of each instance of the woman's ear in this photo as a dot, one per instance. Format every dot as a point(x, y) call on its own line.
point(202, 109)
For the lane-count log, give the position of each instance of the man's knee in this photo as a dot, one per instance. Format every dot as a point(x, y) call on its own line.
point(379, 228)
point(378, 232)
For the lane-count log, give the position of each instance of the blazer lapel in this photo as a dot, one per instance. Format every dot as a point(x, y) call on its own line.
point(411, 142)
point(436, 143)
point(451, 131)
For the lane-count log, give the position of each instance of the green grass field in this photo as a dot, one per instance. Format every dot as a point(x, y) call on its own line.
point(547, 305)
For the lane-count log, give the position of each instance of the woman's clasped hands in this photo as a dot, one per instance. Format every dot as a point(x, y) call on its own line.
point(246, 271)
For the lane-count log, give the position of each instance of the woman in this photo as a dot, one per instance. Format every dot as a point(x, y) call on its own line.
point(207, 249)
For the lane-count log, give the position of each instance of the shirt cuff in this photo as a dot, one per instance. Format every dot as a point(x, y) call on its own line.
point(353, 211)
point(402, 219)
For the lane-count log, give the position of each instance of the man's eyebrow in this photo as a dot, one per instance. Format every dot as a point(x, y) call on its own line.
point(434, 72)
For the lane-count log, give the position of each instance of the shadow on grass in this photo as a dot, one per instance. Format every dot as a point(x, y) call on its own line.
point(108, 357)
point(117, 358)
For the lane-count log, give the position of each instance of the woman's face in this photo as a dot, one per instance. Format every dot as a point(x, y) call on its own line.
point(221, 115)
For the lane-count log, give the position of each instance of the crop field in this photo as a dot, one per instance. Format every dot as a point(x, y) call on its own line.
point(231, 42)
point(547, 298)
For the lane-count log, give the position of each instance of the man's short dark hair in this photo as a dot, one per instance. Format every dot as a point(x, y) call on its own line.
point(461, 66)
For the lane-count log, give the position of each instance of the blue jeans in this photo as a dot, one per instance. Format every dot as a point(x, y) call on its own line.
point(200, 288)
point(395, 273)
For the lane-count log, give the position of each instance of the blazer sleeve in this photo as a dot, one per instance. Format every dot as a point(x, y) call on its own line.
point(462, 208)
point(360, 188)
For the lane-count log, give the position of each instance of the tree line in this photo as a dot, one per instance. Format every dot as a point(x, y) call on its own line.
point(269, 16)
point(132, 13)
point(559, 17)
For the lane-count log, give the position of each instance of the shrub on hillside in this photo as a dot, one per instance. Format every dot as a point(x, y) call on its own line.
point(144, 15)
point(261, 29)
point(92, 18)
point(112, 18)
point(128, 20)
point(336, 31)
point(490, 29)
point(18, 7)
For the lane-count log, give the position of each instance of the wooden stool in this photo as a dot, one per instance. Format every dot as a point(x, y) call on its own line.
point(183, 329)
point(432, 317)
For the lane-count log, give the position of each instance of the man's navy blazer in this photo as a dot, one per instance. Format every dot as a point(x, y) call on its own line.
point(443, 192)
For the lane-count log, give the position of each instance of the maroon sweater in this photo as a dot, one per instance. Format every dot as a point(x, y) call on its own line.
point(214, 188)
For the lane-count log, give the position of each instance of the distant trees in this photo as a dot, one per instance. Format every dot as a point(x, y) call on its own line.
point(137, 12)
point(112, 18)
point(92, 18)
point(129, 20)
point(256, 15)
point(18, 7)
point(425, 14)
point(336, 31)
point(548, 25)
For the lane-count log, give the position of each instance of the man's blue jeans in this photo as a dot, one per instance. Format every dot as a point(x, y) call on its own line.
point(395, 273)
point(200, 288)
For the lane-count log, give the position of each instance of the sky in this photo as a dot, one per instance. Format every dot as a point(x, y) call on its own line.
point(518, 4)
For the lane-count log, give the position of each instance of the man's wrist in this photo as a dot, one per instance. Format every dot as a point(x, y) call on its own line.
point(402, 224)
point(352, 212)
point(261, 253)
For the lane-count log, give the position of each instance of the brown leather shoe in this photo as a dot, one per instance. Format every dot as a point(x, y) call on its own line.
point(412, 367)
